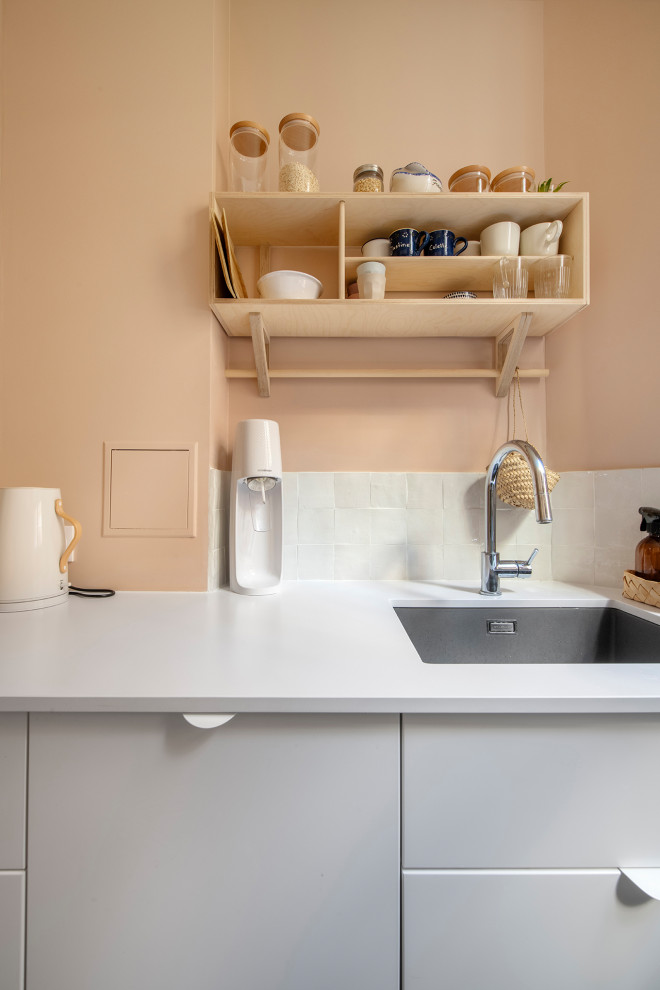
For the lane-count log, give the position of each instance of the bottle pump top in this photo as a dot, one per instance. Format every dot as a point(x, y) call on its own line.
point(650, 520)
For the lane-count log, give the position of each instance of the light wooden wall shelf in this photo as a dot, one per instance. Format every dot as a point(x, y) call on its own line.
point(344, 222)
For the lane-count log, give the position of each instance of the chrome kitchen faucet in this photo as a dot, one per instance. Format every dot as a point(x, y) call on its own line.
point(492, 568)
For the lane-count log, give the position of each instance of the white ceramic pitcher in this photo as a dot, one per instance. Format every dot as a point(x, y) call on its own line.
point(33, 550)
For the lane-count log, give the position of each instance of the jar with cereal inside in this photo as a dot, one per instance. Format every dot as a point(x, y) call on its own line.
point(368, 178)
point(299, 138)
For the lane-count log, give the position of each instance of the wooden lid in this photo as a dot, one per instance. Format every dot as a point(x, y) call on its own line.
point(250, 123)
point(470, 168)
point(510, 171)
point(300, 116)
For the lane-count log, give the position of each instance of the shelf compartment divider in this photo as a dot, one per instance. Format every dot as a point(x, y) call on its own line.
point(341, 250)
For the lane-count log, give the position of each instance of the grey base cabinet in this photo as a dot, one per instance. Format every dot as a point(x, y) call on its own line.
point(12, 929)
point(13, 775)
point(262, 855)
point(516, 829)
point(13, 782)
point(522, 929)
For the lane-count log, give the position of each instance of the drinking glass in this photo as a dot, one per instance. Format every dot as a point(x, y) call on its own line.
point(552, 277)
point(510, 279)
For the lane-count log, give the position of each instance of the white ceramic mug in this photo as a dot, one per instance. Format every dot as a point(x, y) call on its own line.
point(473, 249)
point(378, 247)
point(501, 239)
point(34, 551)
point(541, 238)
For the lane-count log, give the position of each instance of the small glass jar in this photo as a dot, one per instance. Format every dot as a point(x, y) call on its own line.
point(248, 150)
point(368, 178)
point(471, 178)
point(520, 178)
point(299, 137)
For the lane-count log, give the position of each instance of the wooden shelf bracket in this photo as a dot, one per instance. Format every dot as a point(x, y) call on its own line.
point(261, 347)
point(508, 345)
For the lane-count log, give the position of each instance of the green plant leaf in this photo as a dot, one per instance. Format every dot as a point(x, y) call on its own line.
point(546, 186)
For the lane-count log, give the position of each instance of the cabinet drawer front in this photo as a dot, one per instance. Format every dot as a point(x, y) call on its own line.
point(507, 930)
point(531, 791)
point(13, 769)
point(12, 930)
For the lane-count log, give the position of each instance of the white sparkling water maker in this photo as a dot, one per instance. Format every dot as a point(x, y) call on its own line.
point(255, 522)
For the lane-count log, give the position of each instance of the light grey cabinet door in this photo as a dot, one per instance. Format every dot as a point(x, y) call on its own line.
point(528, 930)
point(12, 929)
point(13, 770)
point(531, 791)
point(262, 855)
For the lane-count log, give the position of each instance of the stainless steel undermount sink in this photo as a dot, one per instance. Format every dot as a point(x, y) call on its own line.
point(529, 635)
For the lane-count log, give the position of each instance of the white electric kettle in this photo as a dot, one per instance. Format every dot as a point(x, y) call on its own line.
point(33, 548)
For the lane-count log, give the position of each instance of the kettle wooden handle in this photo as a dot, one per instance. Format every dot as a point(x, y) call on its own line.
point(77, 533)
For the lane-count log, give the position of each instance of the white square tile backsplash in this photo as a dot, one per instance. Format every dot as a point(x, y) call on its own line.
point(430, 526)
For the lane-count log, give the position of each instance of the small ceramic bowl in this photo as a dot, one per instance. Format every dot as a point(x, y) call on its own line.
point(414, 178)
point(289, 285)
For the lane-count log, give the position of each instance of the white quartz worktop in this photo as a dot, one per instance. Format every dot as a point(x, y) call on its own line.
point(315, 647)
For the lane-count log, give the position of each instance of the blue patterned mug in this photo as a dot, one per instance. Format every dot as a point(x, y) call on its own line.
point(443, 243)
point(407, 242)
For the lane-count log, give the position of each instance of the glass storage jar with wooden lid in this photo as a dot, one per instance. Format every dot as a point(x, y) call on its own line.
point(519, 178)
point(248, 150)
point(299, 138)
point(471, 178)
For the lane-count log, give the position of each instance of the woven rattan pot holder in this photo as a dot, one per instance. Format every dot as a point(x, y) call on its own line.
point(514, 479)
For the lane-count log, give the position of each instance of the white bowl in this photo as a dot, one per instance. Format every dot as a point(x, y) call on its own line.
point(289, 285)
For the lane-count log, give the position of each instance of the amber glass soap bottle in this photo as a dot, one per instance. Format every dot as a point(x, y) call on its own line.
point(647, 553)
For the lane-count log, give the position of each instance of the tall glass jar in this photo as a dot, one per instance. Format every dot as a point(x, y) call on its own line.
point(248, 151)
point(299, 137)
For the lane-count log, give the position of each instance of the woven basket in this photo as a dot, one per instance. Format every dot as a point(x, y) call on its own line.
point(638, 589)
point(514, 478)
point(514, 481)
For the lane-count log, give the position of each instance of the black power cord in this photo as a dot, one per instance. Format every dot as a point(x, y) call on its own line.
point(90, 592)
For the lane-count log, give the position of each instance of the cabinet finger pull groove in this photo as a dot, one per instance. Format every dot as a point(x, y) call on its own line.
point(208, 720)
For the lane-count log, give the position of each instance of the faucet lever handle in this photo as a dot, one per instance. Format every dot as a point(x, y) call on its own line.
point(531, 557)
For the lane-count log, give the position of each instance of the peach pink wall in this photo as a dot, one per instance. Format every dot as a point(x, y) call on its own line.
point(219, 390)
point(115, 116)
point(394, 82)
point(108, 114)
point(602, 106)
point(391, 83)
point(389, 424)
